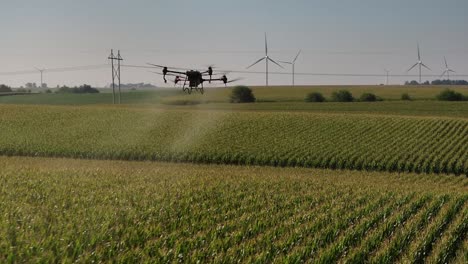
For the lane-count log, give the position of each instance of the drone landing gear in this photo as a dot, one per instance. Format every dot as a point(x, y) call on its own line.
point(188, 89)
point(201, 89)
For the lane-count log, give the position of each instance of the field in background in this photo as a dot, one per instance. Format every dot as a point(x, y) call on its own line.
point(219, 95)
point(400, 108)
point(298, 93)
point(78, 210)
point(320, 140)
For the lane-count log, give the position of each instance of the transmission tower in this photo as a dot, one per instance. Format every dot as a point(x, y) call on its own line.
point(115, 73)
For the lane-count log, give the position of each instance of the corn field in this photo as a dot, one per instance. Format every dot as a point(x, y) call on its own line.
point(61, 210)
point(284, 139)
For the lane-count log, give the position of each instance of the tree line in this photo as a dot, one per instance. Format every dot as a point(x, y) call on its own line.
point(439, 82)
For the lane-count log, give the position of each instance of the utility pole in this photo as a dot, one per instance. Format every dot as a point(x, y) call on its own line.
point(115, 73)
point(387, 71)
point(118, 70)
point(111, 58)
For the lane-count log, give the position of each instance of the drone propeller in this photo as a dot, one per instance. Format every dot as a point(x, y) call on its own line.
point(177, 80)
point(162, 74)
point(155, 65)
point(209, 72)
point(166, 73)
point(220, 74)
point(234, 80)
point(156, 72)
point(226, 81)
point(161, 66)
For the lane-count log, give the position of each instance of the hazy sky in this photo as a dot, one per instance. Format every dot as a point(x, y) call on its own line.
point(336, 37)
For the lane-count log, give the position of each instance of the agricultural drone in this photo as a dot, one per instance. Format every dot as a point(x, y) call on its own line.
point(192, 79)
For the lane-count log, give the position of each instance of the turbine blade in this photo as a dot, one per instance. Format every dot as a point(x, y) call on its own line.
point(425, 66)
point(270, 59)
point(412, 67)
point(443, 74)
point(446, 65)
point(451, 71)
point(266, 46)
point(419, 53)
point(285, 62)
point(256, 62)
point(297, 56)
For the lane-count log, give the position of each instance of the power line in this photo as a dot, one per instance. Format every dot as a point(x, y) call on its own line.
point(79, 68)
point(394, 52)
point(61, 69)
point(342, 74)
point(310, 73)
point(105, 66)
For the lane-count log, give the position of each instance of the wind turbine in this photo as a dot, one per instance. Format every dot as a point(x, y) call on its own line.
point(41, 71)
point(447, 70)
point(420, 64)
point(293, 63)
point(266, 58)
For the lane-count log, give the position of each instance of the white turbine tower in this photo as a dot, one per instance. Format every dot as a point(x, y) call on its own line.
point(447, 70)
point(266, 58)
point(293, 63)
point(41, 71)
point(420, 64)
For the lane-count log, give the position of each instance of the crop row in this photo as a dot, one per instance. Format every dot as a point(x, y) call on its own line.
point(356, 142)
point(59, 210)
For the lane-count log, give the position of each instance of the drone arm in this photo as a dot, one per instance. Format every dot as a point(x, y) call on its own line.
point(168, 74)
point(176, 72)
point(217, 79)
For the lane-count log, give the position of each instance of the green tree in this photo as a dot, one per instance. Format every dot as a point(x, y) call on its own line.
point(405, 97)
point(5, 89)
point(315, 97)
point(450, 95)
point(242, 94)
point(368, 97)
point(342, 96)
